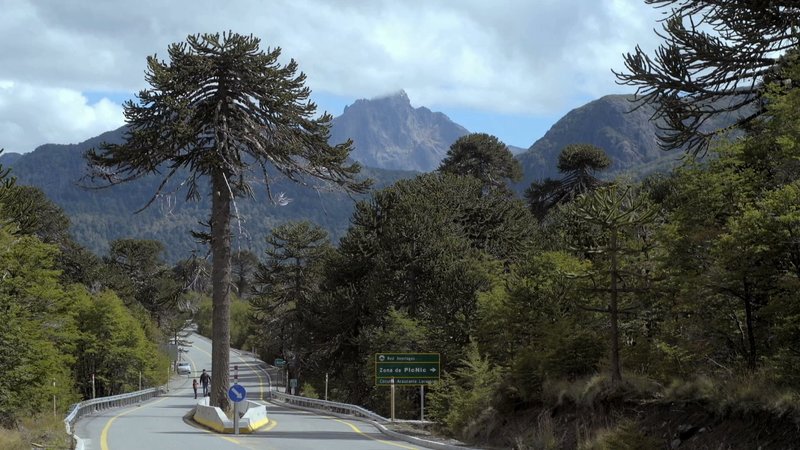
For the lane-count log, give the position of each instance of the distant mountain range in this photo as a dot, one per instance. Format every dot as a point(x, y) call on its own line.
point(99, 216)
point(392, 140)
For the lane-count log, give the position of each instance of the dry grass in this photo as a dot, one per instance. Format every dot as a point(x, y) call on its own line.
point(44, 431)
point(543, 436)
point(588, 392)
point(624, 436)
point(742, 395)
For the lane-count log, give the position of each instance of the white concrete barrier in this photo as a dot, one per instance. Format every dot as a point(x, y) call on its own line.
point(255, 417)
point(212, 417)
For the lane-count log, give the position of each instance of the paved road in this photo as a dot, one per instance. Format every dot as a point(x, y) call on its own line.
point(159, 423)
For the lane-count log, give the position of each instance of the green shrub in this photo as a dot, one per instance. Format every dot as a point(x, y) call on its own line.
point(572, 355)
point(308, 391)
point(464, 399)
point(559, 356)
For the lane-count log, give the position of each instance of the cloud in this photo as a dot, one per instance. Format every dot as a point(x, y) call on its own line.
point(32, 115)
point(502, 56)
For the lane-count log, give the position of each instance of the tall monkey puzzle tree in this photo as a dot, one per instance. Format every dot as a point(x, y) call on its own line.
point(218, 107)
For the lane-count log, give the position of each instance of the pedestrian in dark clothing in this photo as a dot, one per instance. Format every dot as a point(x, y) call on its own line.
point(204, 380)
point(194, 387)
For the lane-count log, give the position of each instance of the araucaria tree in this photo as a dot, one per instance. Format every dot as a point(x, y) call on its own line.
point(218, 107)
point(620, 216)
point(714, 60)
point(578, 163)
point(484, 157)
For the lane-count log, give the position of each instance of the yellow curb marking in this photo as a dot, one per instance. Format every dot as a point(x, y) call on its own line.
point(355, 428)
point(104, 433)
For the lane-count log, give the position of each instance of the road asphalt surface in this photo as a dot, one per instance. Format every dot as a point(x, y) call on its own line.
point(162, 422)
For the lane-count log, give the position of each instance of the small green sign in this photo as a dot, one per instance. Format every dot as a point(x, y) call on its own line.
point(407, 369)
point(280, 362)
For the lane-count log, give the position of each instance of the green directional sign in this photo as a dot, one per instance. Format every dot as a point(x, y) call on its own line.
point(407, 369)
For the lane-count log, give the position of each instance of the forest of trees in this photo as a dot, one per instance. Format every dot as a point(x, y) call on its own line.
point(587, 294)
point(70, 315)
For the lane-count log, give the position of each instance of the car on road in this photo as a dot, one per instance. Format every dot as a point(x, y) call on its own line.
point(184, 368)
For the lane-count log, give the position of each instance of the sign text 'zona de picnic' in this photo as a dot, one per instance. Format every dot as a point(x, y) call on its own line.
point(407, 369)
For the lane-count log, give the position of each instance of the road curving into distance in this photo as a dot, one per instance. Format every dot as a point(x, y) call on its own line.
point(160, 423)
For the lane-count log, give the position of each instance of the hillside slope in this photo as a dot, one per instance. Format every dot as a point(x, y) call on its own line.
point(101, 215)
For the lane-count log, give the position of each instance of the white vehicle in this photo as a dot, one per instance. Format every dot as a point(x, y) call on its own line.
point(184, 368)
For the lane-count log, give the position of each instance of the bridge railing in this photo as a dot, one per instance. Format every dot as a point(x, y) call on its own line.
point(336, 407)
point(85, 407)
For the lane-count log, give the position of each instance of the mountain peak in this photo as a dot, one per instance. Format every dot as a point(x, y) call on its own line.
point(396, 99)
point(389, 133)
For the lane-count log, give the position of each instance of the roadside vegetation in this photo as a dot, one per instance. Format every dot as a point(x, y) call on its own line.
point(71, 317)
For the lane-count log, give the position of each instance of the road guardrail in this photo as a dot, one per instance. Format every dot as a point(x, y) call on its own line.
point(85, 407)
point(336, 407)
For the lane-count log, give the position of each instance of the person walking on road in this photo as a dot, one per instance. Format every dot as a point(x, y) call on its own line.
point(194, 387)
point(204, 380)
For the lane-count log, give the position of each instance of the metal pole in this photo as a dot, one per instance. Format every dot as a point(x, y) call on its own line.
point(392, 401)
point(140, 380)
point(93, 391)
point(235, 417)
point(422, 402)
point(326, 386)
point(54, 398)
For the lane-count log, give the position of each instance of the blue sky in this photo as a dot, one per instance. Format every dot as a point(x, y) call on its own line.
point(510, 68)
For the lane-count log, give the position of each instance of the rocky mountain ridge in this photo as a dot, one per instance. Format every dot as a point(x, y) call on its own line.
point(389, 133)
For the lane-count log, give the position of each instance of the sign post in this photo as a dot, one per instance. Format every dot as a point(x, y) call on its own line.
point(407, 369)
point(422, 403)
point(392, 400)
point(236, 393)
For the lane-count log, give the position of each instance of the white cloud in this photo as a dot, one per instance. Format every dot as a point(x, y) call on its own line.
point(502, 56)
point(32, 115)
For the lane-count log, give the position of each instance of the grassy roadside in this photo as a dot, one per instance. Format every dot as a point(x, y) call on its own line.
point(703, 412)
point(43, 431)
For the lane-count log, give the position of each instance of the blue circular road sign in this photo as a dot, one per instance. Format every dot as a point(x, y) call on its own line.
point(237, 393)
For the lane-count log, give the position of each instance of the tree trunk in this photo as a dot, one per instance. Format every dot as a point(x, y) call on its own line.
point(221, 283)
point(751, 337)
point(613, 309)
